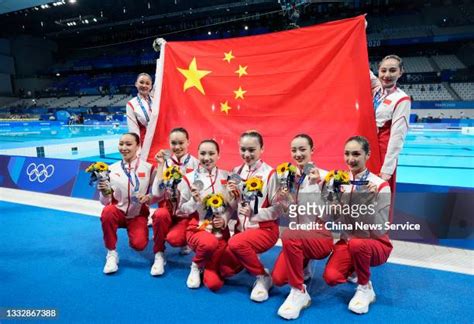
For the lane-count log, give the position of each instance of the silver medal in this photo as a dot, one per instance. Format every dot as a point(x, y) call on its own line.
point(198, 184)
point(235, 178)
point(166, 154)
point(308, 167)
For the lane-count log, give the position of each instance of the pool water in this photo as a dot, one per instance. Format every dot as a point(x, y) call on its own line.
point(437, 158)
point(11, 135)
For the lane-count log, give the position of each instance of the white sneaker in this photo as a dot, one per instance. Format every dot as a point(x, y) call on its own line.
point(308, 271)
point(111, 262)
point(150, 220)
point(194, 277)
point(296, 301)
point(185, 250)
point(352, 278)
point(363, 297)
point(158, 267)
point(261, 287)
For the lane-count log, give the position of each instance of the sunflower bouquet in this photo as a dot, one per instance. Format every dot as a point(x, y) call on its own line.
point(99, 172)
point(214, 204)
point(333, 182)
point(286, 173)
point(172, 176)
point(252, 189)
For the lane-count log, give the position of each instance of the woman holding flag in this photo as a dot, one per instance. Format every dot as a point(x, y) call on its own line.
point(126, 200)
point(257, 227)
point(392, 114)
point(167, 226)
point(138, 109)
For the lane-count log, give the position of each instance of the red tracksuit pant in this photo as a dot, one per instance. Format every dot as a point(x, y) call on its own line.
point(356, 255)
point(208, 252)
point(113, 218)
point(298, 248)
point(168, 228)
point(243, 248)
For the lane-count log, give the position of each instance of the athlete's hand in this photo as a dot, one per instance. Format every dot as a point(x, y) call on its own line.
point(232, 189)
point(245, 211)
point(372, 187)
point(385, 176)
point(231, 185)
point(159, 157)
point(103, 186)
point(314, 176)
point(143, 199)
point(195, 194)
point(218, 222)
point(283, 194)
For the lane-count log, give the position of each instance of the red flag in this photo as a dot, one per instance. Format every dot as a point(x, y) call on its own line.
point(310, 80)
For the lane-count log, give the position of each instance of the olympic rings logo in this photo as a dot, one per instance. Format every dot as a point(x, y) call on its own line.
point(39, 172)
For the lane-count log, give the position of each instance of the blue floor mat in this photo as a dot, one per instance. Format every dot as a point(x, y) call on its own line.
point(54, 259)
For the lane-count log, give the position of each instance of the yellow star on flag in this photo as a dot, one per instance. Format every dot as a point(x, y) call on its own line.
point(239, 93)
point(242, 70)
point(228, 57)
point(193, 76)
point(225, 107)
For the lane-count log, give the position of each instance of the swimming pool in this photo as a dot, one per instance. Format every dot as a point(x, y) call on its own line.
point(31, 134)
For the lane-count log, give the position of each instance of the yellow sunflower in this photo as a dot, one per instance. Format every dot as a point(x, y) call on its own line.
point(101, 166)
point(215, 201)
point(91, 168)
point(168, 173)
point(254, 184)
point(341, 176)
point(345, 177)
point(282, 168)
point(329, 176)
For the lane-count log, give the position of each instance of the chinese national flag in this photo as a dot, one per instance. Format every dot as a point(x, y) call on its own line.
point(312, 80)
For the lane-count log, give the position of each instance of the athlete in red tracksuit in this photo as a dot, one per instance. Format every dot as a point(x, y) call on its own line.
point(301, 244)
point(207, 231)
point(360, 248)
point(167, 226)
point(392, 113)
point(127, 206)
point(138, 109)
point(256, 232)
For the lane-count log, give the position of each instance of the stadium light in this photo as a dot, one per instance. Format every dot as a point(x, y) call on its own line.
point(72, 1)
